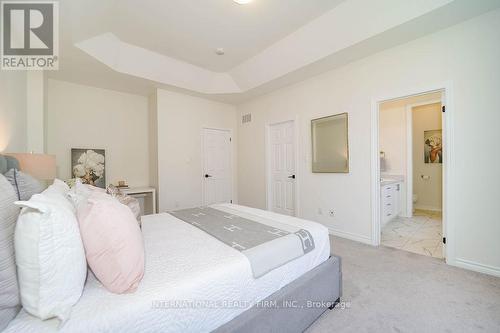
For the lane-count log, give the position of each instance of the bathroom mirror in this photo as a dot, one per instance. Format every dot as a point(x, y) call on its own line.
point(330, 150)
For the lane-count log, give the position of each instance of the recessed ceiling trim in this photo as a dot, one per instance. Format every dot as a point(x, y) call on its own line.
point(325, 36)
point(133, 60)
point(350, 23)
point(242, 2)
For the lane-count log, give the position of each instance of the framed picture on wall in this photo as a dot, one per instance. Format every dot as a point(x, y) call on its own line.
point(433, 146)
point(89, 165)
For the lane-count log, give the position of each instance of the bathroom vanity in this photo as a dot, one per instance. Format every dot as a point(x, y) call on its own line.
point(390, 199)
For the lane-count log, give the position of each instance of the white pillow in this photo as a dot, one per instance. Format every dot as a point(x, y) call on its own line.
point(50, 257)
point(79, 194)
point(59, 187)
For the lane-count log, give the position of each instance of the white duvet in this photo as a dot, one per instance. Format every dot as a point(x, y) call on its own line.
point(192, 282)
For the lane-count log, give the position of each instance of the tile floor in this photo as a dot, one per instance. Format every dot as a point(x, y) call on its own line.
point(421, 234)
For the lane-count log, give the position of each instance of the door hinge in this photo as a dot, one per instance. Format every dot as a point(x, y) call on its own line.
point(443, 108)
point(444, 240)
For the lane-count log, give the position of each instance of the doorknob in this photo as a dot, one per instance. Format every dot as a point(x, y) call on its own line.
point(292, 176)
point(208, 176)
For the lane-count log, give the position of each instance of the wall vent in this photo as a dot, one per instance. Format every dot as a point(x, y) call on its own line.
point(246, 118)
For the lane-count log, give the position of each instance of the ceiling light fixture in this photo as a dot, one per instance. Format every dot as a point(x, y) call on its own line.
point(242, 2)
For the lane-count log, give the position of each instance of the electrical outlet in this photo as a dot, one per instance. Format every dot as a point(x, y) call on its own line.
point(320, 211)
point(331, 212)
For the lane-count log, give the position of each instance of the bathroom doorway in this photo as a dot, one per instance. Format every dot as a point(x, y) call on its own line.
point(411, 160)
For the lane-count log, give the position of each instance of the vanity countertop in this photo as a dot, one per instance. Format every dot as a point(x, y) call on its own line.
point(384, 181)
point(392, 179)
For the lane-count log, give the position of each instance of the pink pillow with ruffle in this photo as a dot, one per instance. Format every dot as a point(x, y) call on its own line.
point(113, 242)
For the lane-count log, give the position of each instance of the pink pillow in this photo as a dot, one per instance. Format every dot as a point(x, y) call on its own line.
point(113, 242)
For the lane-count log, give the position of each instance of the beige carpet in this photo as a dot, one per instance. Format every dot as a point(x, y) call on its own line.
point(390, 290)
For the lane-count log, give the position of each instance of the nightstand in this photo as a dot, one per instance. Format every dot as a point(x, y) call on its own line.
point(146, 197)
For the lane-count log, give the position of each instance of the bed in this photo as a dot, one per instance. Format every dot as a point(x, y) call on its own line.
point(195, 283)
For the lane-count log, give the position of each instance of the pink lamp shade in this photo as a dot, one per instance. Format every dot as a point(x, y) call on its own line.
point(40, 166)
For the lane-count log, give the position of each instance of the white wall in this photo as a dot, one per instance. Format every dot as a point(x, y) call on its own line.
point(180, 122)
point(13, 111)
point(467, 55)
point(429, 190)
point(392, 141)
point(153, 143)
point(393, 138)
point(35, 111)
point(86, 117)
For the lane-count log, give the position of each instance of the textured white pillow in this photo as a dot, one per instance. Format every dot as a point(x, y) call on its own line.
point(58, 187)
point(10, 304)
point(79, 194)
point(50, 257)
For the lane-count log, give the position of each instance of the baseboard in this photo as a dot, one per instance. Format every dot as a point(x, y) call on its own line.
point(477, 267)
point(431, 208)
point(351, 236)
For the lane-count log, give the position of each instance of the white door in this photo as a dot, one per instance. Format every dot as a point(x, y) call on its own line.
point(444, 141)
point(282, 168)
point(217, 172)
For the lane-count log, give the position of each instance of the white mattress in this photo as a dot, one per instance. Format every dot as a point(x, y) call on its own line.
point(183, 263)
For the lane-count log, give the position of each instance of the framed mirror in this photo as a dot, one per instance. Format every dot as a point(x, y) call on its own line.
point(330, 149)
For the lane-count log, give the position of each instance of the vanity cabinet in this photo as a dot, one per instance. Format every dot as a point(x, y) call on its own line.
point(390, 201)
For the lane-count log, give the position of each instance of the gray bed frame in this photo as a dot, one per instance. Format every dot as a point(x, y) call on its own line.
point(322, 285)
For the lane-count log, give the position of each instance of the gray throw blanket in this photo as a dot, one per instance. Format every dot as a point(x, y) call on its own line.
point(265, 247)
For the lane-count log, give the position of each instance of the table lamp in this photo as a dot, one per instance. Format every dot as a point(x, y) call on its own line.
point(40, 166)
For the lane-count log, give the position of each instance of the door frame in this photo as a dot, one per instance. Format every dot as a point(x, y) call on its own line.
point(296, 162)
point(230, 130)
point(409, 152)
point(448, 149)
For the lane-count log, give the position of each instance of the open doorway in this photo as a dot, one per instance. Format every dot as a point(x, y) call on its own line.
point(411, 187)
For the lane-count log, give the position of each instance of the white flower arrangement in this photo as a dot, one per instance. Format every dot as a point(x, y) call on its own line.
point(90, 167)
point(434, 141)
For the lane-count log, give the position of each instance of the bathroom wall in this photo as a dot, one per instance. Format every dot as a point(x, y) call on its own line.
point(393, 137)
point(427, 177)
point(392, 141)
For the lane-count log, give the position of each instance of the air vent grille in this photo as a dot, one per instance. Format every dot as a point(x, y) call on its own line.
point(246, 118)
